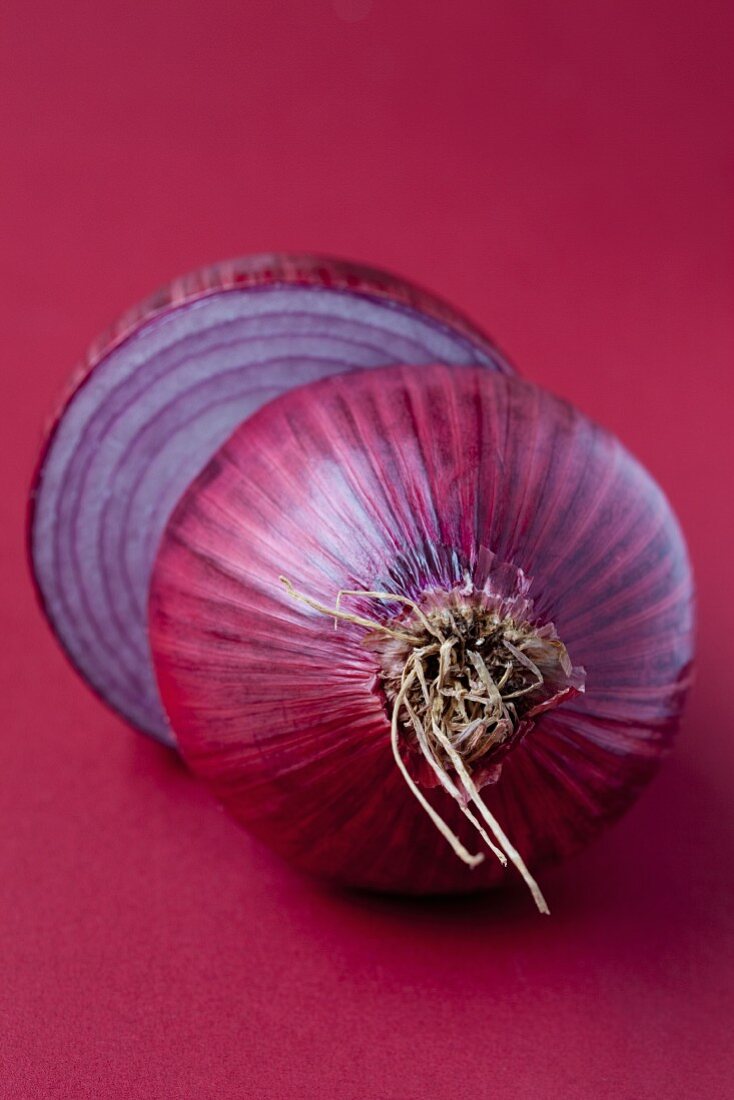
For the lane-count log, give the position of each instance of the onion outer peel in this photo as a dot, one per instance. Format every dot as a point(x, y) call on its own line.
point(278, 712)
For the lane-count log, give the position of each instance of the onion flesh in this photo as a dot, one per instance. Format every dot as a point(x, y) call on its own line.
point(156, 398)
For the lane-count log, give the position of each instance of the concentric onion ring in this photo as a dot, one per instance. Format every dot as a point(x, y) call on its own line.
point(159, 393)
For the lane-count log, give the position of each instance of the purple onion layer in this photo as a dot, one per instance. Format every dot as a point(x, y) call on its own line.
point(159, 394)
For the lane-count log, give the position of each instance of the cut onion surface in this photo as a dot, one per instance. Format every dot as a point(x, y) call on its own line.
point(155, 398)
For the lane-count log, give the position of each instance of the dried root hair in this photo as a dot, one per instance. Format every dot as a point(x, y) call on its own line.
point(459, 680)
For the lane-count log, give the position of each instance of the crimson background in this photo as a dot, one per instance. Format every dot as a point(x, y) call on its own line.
point(564, 172)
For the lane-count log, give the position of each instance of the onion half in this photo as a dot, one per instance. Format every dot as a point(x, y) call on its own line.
point(159, 393)
point(444, 493)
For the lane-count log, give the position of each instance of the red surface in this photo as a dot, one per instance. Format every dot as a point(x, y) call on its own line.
point(564, 173)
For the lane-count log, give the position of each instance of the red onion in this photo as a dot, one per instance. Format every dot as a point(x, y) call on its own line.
point(156, 397)
point(483, 640)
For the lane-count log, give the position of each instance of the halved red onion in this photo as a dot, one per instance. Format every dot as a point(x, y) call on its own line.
point(155, 398)
point(469, 495)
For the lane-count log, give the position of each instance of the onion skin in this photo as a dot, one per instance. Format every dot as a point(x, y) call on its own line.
point(405, 480)
point(96, 604)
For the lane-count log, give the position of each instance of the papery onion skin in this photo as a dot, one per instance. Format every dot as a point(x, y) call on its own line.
point(126, 441)
point(406, 480)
